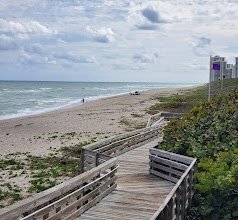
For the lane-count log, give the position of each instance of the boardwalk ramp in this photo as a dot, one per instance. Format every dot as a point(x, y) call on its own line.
point(138, 194)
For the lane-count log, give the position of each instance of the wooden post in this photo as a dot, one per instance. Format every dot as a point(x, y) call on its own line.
point(96, 159)
point(178, 204)
point(82, 160)
point(183, 199)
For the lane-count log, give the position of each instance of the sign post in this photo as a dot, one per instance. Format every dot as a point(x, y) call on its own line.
point(209, 84)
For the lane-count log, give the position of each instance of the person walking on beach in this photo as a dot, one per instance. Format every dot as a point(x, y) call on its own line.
point(83, 100)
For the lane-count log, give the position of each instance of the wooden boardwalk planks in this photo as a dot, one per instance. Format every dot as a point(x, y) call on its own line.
point(138, 194)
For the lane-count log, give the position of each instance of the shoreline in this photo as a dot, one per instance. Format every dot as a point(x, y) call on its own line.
point(109, 116)
point(78, 102)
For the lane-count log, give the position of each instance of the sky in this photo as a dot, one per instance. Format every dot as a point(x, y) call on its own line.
point(115, 40)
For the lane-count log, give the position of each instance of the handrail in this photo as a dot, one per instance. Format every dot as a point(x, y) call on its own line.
point(175, 204)
point(115, 138)
point(159, 117)
point(91, 154)
point(56, 194)
point(71, 197)
point(86, 187)
point(119, 142)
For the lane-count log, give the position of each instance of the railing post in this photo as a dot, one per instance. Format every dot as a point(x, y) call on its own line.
point(183, 199)
point(190, 187)
point(96, 159)
point(178, 204)
point(82, 160)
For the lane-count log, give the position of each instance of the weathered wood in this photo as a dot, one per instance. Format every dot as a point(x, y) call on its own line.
point(164, 176)
point(138, 194)
point(91, 203)
point(108, 149)
point(171, 156)
point(181, 191)
point(170, 163)
point(166, 169)
point(116, 138)
point(16, 210)
point(74, 198)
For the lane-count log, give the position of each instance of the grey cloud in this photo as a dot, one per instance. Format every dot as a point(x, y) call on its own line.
point(201, 46)
point(145, 58)
point(127, 67)
point(147, 27)
point(73, 58)
point(203, 42)
point(35, 48)
point(103, 35)
point(74, 37)
point(102, 39)
point(8, 45)
point(31, 59)
point(153, 15)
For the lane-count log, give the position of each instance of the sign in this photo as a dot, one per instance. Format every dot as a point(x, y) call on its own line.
point(216, 66)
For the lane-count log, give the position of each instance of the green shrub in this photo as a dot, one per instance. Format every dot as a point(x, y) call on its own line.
point(210, 133)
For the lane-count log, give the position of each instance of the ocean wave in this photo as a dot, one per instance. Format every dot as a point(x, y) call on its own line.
point(45, 88)
point(34, 99)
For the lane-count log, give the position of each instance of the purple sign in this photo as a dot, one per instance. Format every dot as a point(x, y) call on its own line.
point(216, 66)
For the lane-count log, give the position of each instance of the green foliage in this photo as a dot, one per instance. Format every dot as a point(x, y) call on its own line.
point(9, 194)
point(179, 102)
point(48, 169)
point(210, 133)
point(10, 163)
point(41, 184)
point(184, 102)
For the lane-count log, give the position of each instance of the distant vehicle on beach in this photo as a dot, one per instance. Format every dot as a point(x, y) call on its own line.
point(135, 93)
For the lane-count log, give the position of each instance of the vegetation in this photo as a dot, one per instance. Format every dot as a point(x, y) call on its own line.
point(22, 174)
point(184, 102)
point(210, 133)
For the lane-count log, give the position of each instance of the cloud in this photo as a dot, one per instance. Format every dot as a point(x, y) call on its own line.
point(147, 26)
point(145, 58)
point(7, 43)
point(35, 48)
point(194, 66)
point(73, 58)
point(122, 34)
point(33, 59)
point(34, 54)
point(203, 42)
point(123, 66)
point(13, 34)
point(201, 46)
point(21, 29)
point(102, 35)
point(153, 15)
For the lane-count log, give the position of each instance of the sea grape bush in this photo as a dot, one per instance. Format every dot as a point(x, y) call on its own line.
point(210, 133)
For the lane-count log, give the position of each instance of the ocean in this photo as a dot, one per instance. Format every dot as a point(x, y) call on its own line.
point(23, 98)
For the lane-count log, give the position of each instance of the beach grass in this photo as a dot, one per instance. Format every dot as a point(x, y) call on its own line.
point(42, 172)
point(185, 101)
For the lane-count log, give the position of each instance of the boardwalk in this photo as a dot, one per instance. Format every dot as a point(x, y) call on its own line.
point(138, 194)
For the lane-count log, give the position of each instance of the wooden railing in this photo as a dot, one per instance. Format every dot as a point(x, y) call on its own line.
point(162, 116)
point(69, 199)
point(91, 159)
point(177, 169)
point(98, 168)
point(97, 153)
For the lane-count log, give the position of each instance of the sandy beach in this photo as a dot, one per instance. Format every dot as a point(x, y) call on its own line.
point(41, 151)
point(97, 119)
